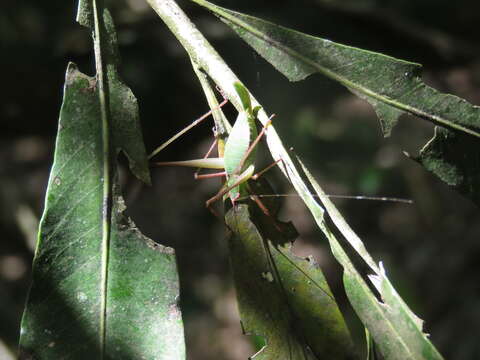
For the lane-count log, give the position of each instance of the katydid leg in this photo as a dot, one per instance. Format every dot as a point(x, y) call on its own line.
point(235, 178)
point(247, 174)
point(209, 176)
point(185, 129)
point(260, 173)
point(261, 205)
point(210, 149)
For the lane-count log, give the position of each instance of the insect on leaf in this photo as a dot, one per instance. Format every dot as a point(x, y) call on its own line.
point(392, 86)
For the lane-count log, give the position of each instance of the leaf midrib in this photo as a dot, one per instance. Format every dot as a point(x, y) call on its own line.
point(329, 73)
point(106, 190)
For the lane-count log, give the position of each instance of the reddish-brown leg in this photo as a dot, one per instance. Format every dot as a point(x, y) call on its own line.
point(184, 130)
point(210, 149)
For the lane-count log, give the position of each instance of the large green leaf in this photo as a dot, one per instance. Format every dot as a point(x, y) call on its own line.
point(396, 330)
point(100, 290)
point(390, 85)
point(282, 297)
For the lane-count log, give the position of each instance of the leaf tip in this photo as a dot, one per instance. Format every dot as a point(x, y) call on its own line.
point(244, 95)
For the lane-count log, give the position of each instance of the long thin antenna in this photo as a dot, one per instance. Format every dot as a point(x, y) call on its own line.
point(353, 197)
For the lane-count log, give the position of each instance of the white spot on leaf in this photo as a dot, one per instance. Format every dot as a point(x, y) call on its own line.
point(82, 297)
point(267, 275)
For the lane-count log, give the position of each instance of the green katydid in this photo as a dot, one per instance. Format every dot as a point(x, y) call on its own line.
point(239, 155)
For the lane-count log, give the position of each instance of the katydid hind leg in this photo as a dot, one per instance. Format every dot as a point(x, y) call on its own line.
point(234, 195)
point(260, 173)
point(271, 214)
point(209, 176)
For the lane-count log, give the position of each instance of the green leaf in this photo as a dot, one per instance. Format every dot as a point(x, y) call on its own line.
point(391, 85)
point(455, 159)
point(244, 96)
point(127, 134)
point(396, 330)
point(100, 289)
point(281, 297)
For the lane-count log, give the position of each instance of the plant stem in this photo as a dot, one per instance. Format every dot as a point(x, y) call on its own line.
point(203, 54)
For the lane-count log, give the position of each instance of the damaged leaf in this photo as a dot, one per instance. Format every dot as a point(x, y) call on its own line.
point(100, 289)
point(396, 330)
point(391, 85)
point(455, 159)
point(281, 297)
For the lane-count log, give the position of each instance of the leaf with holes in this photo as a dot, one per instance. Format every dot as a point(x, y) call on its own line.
point(100, 290)
point(392, 86)
point(396, 330)
point(282, 297)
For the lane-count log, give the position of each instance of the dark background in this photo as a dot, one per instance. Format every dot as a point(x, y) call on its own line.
point(430, 249)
